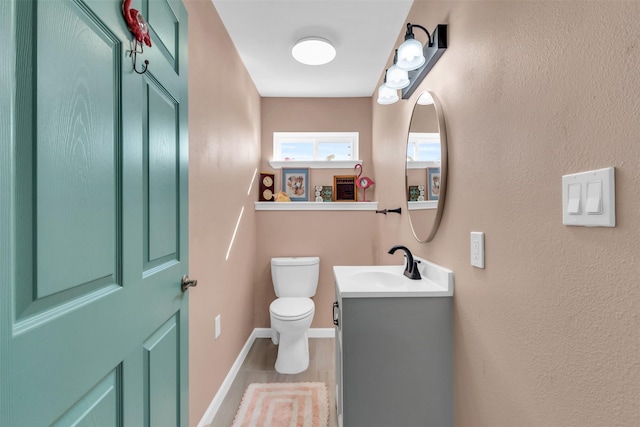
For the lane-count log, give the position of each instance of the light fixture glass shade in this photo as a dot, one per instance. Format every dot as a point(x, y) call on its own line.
point(410, 56)
point(313, 51)
point(397, 78)
point(386, 95)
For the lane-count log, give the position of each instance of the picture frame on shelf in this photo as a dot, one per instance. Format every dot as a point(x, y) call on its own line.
point(413, 193)
point(433, 182)
point(345, 188)
point(327, 193)
point(295, 183)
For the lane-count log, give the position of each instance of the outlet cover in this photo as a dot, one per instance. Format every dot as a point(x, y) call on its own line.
point(477, 249)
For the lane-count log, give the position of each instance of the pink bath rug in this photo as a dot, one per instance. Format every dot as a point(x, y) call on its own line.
point(284, 405)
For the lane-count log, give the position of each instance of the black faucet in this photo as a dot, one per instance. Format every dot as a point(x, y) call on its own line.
point(411, 270)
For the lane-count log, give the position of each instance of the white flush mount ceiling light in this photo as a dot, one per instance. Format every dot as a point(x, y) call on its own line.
point(425, 99)
point(313, 51)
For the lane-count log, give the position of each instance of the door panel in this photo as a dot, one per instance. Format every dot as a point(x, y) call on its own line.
point(99, 407)
point(162, 367)
point(78, 106)
point(162, 148)
point(165, 25)
point(96, 156)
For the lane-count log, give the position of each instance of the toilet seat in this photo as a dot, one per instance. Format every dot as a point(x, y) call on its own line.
point(291, 308)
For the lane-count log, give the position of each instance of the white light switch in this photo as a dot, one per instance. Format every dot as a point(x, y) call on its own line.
point(588, 198)
point(477, 249)
point(594, 198)
point(575, 192)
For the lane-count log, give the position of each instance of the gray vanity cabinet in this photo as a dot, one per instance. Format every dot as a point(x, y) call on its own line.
point(394, 361)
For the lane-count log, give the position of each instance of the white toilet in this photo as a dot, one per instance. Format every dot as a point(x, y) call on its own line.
point(295, 281)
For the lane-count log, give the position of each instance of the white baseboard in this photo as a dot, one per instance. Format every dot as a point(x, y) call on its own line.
point(215, 404)
point(322, 333)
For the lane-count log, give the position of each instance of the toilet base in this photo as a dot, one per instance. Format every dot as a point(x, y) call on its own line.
point(293, 353)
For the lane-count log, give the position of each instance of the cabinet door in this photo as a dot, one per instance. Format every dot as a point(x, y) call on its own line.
point(93, 179)
point(397, 362)
point(338, 366)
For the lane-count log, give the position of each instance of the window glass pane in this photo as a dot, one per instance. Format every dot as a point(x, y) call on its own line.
point(340, 150)
point(411, 152)
point(429, 151)
point(315, 146)
point(296, 151)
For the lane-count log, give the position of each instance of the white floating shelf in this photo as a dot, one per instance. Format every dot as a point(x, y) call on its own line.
point(419, 206)
point(316, 206)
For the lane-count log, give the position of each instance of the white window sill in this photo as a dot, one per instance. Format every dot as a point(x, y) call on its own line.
point(316, 206)
point(314, 164)
point(423, 164)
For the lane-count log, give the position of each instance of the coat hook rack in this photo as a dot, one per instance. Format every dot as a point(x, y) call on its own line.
point(133, 53)
point(385, 211)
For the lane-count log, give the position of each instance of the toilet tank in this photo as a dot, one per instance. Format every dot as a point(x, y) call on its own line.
point(295, 276)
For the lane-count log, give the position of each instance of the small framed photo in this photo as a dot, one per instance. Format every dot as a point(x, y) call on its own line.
point(327, 193)
point(295, 183)
point(433, 180)
point(413, 193)
point(345, 188)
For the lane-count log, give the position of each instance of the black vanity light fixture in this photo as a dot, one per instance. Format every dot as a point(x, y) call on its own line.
point(411, 63)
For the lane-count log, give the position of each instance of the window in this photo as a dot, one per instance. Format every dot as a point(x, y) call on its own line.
point(423, 147)
point(314, 147)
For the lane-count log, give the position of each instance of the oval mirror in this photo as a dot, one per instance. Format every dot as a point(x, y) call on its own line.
point(426, 167)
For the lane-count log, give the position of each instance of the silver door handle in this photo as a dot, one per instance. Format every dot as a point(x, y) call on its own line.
point(187, 283)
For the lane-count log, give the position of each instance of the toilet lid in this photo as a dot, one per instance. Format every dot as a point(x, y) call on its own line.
point(291, 308)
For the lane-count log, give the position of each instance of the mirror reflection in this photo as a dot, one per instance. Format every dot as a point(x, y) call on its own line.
point(425, 167)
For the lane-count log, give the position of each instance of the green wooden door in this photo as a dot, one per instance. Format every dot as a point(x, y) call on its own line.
point(93, 216)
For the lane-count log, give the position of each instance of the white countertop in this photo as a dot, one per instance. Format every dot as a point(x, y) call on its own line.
point(383, 281)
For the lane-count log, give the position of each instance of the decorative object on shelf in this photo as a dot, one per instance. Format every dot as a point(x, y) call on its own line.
point(140, 30)
point(295, 183)
point(434, 183)
point(413, 193)
point(414, 59)
point(281, 196)
point(327, 193)
point(363, 182)
point(345, 186)
point(319, 193)
point(416, 193)
point(386, 211)
point(267, 184)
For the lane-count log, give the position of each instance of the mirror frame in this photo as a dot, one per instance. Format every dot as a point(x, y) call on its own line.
point(443, 168)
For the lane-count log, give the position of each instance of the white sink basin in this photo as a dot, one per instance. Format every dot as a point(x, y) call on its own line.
point(378, 279)
point(389, 281)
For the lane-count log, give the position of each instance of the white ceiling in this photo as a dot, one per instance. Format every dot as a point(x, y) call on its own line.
point(364, 33)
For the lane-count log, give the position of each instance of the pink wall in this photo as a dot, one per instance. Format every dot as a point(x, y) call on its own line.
point(338, 237)
point(224, 136)
point(548, 333)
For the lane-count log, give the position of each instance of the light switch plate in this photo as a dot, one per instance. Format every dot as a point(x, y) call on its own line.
point(218, 327)
point(589, 198)
point(477, 249)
